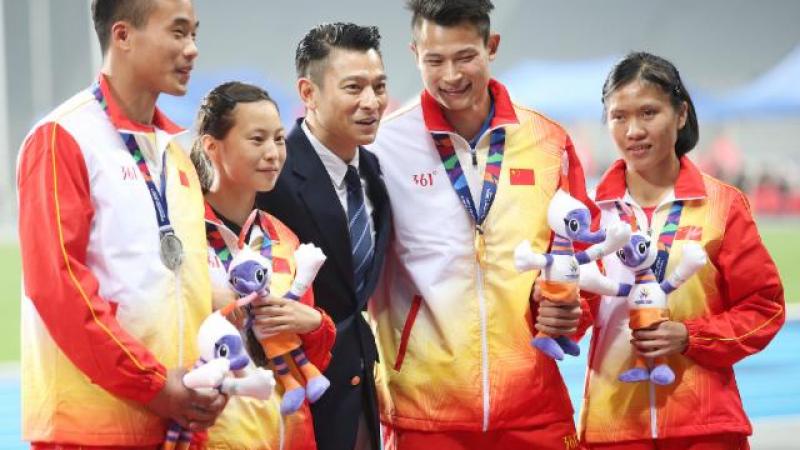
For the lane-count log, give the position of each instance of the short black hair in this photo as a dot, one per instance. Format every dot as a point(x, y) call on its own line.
point(448, 13)
point(317, 44)
point(663, 74)
point(106, 13)
point(215, 118)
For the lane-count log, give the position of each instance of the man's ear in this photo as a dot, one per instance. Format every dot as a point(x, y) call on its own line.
point(307, 90)
point(120, 36)
point(493, 44)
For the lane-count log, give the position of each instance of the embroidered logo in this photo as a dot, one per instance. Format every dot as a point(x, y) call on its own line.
point(424, 179)
point(129, 173)
point(644, 297)
point(573, 270)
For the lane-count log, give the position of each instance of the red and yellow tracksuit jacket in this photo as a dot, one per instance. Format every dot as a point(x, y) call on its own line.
point(455, 333)
point(102, 317)
point(247, 423)
point(732, 308)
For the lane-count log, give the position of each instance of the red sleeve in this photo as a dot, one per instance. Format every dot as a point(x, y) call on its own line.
point(55, 218)
point(751, 293)
point(318, 343)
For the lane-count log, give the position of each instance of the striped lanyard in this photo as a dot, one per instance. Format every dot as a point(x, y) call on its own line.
point(491, 175)
point(666, 237)
point(159, 197)
point(223, 252)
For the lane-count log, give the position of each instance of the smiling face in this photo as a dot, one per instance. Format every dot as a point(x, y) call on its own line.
point(454, 64)
point(644, 125)
point(162, 52)
point(344, 109)
point(250, 156)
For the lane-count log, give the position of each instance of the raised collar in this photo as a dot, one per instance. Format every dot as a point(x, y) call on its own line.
point(689, 185)
point(503, 113)
point(233, 240)
point(210, 215)
point(124, 123)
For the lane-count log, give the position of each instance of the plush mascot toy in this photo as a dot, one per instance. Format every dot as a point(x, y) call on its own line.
point(250, 272)
point(570, 220)
point(223, 365)
point(647, 299)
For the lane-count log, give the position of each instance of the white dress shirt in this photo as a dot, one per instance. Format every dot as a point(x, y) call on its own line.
point(337, 169)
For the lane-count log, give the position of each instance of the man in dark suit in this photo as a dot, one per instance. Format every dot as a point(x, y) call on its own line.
point(331, 193)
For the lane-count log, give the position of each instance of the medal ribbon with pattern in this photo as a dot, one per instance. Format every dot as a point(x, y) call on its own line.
point(171, 247)
point(491, 175)
point(666, 237)
point(215, 240)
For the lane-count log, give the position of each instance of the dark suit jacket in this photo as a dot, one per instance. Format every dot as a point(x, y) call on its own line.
point(305, 200)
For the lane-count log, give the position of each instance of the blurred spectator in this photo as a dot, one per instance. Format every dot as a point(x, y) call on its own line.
point(767, 196)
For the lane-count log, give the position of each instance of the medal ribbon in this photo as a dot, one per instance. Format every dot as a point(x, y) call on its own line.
point(224, 253)
point(491, 175)
point(666, 237)
point(159, 197)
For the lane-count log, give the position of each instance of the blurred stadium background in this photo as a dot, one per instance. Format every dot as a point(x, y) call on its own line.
point(739, 58)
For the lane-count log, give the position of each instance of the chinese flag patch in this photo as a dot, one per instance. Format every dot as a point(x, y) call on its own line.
point(280, 265)
point(183, 177)
point(521, 177)
point(689, 233)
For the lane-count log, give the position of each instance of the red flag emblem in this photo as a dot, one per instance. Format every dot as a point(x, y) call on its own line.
point(689, 233)
point(280, 265)
point(521, 177)
point(184, 178)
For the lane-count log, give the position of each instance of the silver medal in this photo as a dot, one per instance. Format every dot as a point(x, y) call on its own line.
point(171, 251)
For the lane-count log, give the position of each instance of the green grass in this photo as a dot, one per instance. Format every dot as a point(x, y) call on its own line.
point(9, 302)
point(781, 238)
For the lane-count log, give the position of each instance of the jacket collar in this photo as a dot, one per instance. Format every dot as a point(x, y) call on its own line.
point(123, 122)
point(503, 114)
point(210, 215)
point(232, 240)
point(689, 185)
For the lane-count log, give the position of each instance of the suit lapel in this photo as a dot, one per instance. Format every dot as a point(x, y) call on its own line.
point(321, 202)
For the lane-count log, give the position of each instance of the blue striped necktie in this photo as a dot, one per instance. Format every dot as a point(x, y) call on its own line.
point(361, 244)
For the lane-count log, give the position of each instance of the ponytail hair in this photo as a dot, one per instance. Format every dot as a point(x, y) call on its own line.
point(663, 74)
point(215, 118)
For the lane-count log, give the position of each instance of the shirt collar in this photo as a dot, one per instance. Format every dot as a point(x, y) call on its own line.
point(124, 123)
point(689, 185)
point(215, 225)
point(334, 165)
point(503, 110)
